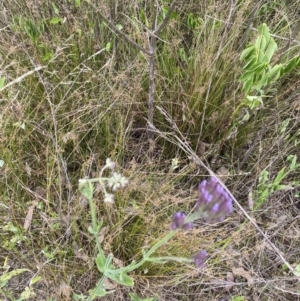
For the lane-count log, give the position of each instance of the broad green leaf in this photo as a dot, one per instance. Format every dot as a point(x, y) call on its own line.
point(290, 65)
point(121, 278)
point(296, 270)
point(27, 294)
point(260, 71)
point(262, 58)
point(247, 52)
point(274, 73)
point(56, 10)
point(280, 187)
point(246, 76)
point(48, 56)
point(79, 297)
point(263, 177)
point(293, 162)
point(263, 29)
point(272, 47)
point(108, 46)
point(56, 20)
point(7, 276)
point(261, 43)
point(101, 263)
point(144, 18)
point(79, 31)
point(280, 176)
point(86, 188)
point(283, 127)
point(99, 292)
point(256, 67)
point(263, 78)
point(250, 63)
point(77, 3)
point(35, 280)
point(2, 82)
point(253, 101)
point(238, 298)
point(134, 297)
point(247, 85)
point(20, 125)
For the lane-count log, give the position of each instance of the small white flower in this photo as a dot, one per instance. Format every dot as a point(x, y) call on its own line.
point(110, 164)
point(82, 181)
point(109, 198)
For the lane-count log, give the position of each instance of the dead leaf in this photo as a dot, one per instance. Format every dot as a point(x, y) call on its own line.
point(70, 136)
point(133, 164)
point(65, 290)
point(243, 273)
point(118, 262)
point(109, 285)
point(229, 282)
point(223, 174)
point(221, 284)
point(202, 146)
point(28, 218)
point(296, 104)
point(250, 200)
point(79, 253)
point(102, 233)
point(218, 284)
point(40, 193)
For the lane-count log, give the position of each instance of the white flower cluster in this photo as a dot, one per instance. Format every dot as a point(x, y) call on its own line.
point(117, 181)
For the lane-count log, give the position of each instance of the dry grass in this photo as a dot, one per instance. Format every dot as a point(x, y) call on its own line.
point(88, 102)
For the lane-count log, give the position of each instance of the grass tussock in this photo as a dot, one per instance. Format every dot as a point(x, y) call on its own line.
point(77, 93)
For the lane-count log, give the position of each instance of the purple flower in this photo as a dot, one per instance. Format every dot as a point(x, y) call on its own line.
point(214, 202)
point(198, 259)
point(178, 222)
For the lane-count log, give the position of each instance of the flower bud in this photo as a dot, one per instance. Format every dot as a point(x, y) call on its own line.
point(178, 222)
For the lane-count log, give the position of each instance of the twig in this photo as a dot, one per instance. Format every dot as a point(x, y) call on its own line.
point(153, 36)
point(151, 75)
point(20, 78)
point(165, 20)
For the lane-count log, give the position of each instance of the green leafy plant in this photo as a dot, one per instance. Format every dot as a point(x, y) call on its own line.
point(15, 235)
point(32, 29)
point(265, 188)
point(258, 71)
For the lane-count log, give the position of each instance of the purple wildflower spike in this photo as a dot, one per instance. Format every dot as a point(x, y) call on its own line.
point(198, 259)
point(178, 222)
point(214, 203)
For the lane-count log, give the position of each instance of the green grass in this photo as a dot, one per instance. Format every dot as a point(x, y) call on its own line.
point(59, 124)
